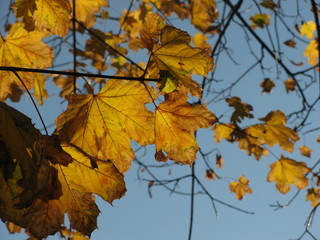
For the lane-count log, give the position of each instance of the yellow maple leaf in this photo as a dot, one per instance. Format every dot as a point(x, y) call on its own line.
point(103, 124)
point(176, 122)
point(223, 131)
point(305, 151)
point(177, 59)
point(241, 187)
point(287, 171)
point(40, 91)
point(312, 52)
point(86, 10)
point(274, 131)
point(307, 29)
point(203, 13)
point(168, 7)
point(313, 196)
point(200, 41)
point(53, 15)
point(22, 49)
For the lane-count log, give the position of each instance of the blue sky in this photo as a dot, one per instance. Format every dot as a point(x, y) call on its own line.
point(165, 215)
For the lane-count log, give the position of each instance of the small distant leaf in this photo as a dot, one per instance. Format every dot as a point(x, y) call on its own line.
point(176, 122)
point(203, 13)
point(40, 91)
point(287, 171)
point(267, 85)
point(270, 4)
point(66, 85)
point(290, 43)
point(308, 29)
point(290, 85)
point(313, 196)
point(242, 110)
point(219, 161)
point(223, 131)
point(296, 63)
point(210, 175)
point(305, 151)
point(260, 20)
point(312, 52)
point(240, 188)
point(200, 41)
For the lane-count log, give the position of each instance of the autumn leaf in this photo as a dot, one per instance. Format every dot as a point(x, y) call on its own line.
point(290, 85)
point(312, 52)
point(65, 83)
point(219, 161)
point(150, 32)
point(240, 188)
point(200, 41)
point(176, 122)
point(210, 175)
point(267, 85)
point(308, 29)
point(313, 196)
point(290, 43)
point(40, 91)
point(178, 59)
point(275, 131)
point(287, 171)
point(22, 49)
point(242, 110)
point(305, 151)
point(168, 7)
point(203, 13)
point(86, 10)
point(103, 124)
point(51, 15)
point(269, 4)
point(223, 131)
point(260, 20)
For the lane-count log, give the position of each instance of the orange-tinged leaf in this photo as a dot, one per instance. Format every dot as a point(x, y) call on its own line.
point(313, 196)
point(287, 171)
point(305, 151)
point(178, 59)
point(22, 49)
point(290, 85)
point(210, 175)
point(168, 7)
point(200, 41)
point(242, 110)
point(312, 52)
point(103, 124)
point(203, 13)
point(270, 4)
point(267, 85)
point(176, 122)
point(150, 32)
point(260, 20)
point(219, 161)
point(12, 228)
point(240, 188)
point(86, 10)
point(290, 43)
point(308, 29)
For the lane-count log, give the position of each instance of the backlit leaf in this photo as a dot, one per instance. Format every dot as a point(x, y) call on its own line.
point(176, 57)
point(51, 15)
point(203, 13)
point(308, 29)
point(312, 52)
point(260, 20)
point(86, 10)
point(313, 196)
point(287, 171)
point(103, 124)
point(290, 85)
point(176, 122)
point(305, 151)
point(240, 188)
point(22, 49)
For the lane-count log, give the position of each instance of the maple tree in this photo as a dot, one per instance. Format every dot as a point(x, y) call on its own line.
point(115, 104)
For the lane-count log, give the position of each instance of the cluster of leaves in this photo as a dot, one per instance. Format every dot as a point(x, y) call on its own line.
point(43, 177)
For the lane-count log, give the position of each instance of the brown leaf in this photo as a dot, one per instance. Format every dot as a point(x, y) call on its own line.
point(267, 85)
point(240, 188)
